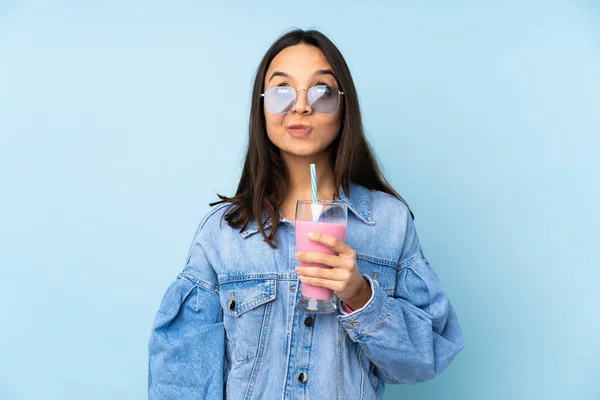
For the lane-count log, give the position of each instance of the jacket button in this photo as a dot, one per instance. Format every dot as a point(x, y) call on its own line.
point(309, 321)
point(302, 377)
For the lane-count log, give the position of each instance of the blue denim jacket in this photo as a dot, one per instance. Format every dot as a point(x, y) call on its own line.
point(228, 326)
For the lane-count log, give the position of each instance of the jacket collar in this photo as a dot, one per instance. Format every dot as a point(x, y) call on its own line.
point(358, 200)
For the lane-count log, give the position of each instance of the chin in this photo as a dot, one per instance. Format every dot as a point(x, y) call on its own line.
point(300, 153)
point(303, 152)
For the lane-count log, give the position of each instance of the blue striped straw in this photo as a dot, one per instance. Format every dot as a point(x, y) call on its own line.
point(313, 182)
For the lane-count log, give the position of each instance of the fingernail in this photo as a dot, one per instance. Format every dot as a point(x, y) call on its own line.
point(311, 235)
point(298, 253)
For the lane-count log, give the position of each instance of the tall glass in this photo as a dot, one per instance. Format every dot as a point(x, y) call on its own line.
point(331, 219)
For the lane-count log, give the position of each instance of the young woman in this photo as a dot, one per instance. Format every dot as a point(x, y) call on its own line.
point(228, 326)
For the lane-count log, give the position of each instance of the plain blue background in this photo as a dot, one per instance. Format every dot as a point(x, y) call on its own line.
point(119, 122)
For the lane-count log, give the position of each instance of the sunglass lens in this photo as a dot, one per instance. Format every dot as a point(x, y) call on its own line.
point(280, 100)
point(323, 99)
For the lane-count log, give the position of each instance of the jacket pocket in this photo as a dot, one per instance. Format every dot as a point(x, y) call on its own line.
point(384, 274)
point(247, 305)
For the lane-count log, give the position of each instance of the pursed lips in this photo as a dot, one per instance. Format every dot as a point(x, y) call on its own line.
point(299, 129)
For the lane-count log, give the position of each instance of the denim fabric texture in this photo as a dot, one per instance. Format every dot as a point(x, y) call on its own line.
point(228, 326)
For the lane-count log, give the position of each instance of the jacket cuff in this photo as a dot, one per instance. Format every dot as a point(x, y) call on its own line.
point(367, 317)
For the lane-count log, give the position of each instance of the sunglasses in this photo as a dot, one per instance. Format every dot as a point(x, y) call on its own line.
point(321, 98)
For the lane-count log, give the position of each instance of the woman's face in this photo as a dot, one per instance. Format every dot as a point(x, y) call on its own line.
point(301, 67)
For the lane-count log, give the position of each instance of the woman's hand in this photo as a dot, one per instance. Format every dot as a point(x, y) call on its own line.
point(343, 278)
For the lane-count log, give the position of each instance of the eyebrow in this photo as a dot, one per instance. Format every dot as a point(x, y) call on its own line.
point(317, 73)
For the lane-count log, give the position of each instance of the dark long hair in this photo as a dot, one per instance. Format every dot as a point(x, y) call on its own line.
point(263, 184)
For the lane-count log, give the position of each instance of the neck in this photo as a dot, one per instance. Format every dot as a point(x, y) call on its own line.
point(299, 184)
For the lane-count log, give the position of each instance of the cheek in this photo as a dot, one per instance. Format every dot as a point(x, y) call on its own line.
point(274, 120)
point(334, 123)
point(273, 124)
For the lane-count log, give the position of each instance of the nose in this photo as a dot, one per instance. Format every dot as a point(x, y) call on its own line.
point(302, 106)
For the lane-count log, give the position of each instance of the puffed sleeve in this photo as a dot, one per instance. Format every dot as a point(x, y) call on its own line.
point(186, 348)
point(413, 335)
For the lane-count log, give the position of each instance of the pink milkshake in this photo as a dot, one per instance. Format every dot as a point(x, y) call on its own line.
point(303, 243)
point(329, 217)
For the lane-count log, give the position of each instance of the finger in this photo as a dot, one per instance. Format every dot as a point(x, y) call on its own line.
point(326, 283)
point(332, 242)
point(332, 274)
point(315, 257)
